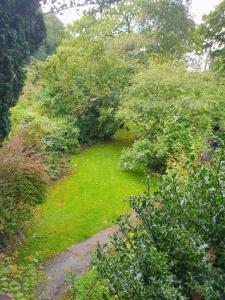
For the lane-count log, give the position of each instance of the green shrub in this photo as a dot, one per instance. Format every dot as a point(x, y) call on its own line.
point(54, 138)
point(83, 80)
point(88, 286)
point(44, 134)
point(22, 185)
point(176, 249)
point(174, 112)
point(18, 281)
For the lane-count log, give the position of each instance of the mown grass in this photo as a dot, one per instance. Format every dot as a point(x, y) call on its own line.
point(85, 202)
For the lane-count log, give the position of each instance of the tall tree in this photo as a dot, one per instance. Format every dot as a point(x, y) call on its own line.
point(21, 32)
point(54, 34)
point(213, 31)
point(165, 24)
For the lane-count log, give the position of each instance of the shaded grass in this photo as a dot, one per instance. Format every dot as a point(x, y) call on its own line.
point(85, 202)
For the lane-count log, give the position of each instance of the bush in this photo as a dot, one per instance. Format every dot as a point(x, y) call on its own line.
point(175, 250)
point(82, 82)
point(43, 133)
point(88, 286)
point(18, 281)
point(22, 185)
point(53, 138)
point(174, 112)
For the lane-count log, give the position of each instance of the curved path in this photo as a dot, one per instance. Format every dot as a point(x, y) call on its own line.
point(75, 259)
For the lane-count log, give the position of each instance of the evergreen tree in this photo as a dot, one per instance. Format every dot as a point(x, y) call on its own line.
point(21, 32)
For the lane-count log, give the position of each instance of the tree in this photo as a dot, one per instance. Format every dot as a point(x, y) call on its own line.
point(169, 22)
point(172, 111)
point(54, 34)
point(213, 31)
point(89, 5)
point(21, 32)
point(83, 80)
point(165, 25)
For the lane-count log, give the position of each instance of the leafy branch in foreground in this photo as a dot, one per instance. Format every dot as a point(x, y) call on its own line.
point(176, 250)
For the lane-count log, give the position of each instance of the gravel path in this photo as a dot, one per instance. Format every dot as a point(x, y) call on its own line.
point(75, 259)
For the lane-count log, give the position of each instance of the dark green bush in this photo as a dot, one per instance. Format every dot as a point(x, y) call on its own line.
point(21, 33)
point(22, 185)
point(176, 249)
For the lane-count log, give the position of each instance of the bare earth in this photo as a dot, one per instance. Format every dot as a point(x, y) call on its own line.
point(75, 259)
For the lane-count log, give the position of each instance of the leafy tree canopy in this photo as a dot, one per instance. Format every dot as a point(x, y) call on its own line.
point(213, 34)
point(83, 80)
point(173, 111)
point(166, 24)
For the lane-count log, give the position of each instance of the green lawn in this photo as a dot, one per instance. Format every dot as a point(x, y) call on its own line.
point(83, 203)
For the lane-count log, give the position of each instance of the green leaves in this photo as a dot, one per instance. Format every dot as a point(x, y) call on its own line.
point(18, 281)
point(212, 33)
point(88, 286)
point(21, 30)
point(173, 113)
point(175, 247)
point(83, 81)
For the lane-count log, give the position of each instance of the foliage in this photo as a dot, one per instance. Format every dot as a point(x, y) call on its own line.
point(21, 32)
point(54, 35)
point(82, 82)
point(88, 5)
point(213, 33)
point(175, 250)
point(82, 204)
point(88, 286)
point(165, 26)
point(22, 185)
point(18, 281)
point(53, 138)
point(46, 135)
point(173, 112)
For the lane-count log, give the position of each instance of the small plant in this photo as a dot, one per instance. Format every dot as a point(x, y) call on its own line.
point(88, 287)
